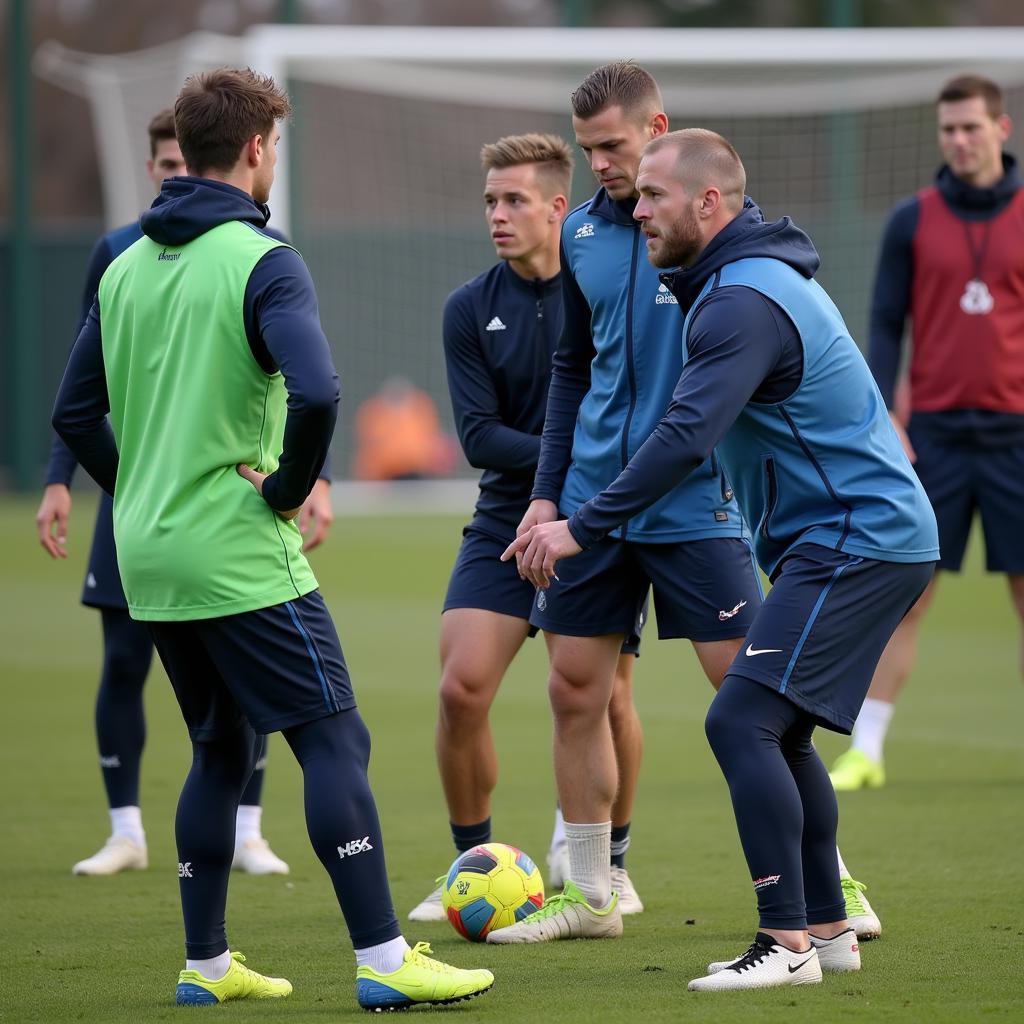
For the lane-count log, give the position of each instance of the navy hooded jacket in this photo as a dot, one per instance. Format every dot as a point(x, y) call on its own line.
point(282, 324)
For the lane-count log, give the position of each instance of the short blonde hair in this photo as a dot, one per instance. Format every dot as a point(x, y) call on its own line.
point(551, 154)
point(705, 158)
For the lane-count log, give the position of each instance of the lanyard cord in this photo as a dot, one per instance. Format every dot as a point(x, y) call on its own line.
point(978, 252)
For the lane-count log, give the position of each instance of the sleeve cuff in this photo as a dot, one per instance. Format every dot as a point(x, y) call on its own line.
point(584, 537)
point(271, 496)
point(542, 493)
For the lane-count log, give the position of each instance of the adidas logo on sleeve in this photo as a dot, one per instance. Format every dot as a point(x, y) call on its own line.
point(496, 324)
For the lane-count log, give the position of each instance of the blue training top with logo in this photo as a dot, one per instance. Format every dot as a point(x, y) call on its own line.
point(617, 361)
point(775, 380)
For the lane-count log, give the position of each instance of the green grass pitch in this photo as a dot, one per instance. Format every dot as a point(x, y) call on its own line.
point(940, 846)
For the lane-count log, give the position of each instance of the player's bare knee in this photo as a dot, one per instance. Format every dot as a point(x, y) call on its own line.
point(464, 699)
point(574, 697)
point(621, 710)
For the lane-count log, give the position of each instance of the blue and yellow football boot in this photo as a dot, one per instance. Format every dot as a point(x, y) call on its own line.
point(239, 983)
point(420, 979)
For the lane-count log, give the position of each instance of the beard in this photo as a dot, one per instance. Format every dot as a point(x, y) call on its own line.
point(680, 242)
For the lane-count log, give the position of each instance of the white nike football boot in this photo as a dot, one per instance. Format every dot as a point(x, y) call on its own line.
point(766, 964)
point(839, 954)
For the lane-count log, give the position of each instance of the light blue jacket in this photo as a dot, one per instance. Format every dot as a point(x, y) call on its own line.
point(614, 370)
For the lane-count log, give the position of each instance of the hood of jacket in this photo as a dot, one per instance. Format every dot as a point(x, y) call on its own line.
point(188, 207)
point(747, 236)
point(966, 197)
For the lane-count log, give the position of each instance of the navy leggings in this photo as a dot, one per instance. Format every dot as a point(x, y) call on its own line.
point(785, 806)
point(341, 818)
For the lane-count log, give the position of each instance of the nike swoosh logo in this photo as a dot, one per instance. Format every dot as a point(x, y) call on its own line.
point(752, 651)
point(793, 970)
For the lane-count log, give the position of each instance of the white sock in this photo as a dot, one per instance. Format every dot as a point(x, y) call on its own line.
point(127, 821)
point(871, 726)
point(843, 870)
point(384, 957)
point(213, 969)
point(247, 823)
point(590, 860)
point(558, 835)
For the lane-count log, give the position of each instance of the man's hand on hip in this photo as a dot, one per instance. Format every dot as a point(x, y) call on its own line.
point(256, 478)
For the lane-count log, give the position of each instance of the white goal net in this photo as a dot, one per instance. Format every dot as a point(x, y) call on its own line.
point(381, 184)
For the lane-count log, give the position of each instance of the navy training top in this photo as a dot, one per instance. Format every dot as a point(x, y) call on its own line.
point(500, 332)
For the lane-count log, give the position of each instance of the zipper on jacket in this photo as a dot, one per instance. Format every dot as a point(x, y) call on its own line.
point(772, 496)
point(630, 363)
point(718, 471)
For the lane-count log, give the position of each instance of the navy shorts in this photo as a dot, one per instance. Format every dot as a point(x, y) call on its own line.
point(102, 587)
point(823, 627)
point(704, 590)
point(961, 478)
point(481, 580)
point(277, 667)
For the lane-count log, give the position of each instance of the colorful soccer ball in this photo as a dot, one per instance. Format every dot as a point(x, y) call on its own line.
point(490, 887)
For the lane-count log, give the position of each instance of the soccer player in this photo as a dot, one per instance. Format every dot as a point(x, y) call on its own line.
point(205, 346)
point(500, 331)
point(843, 529)
point(127, 645)
point(952, 261)
point(616, 362)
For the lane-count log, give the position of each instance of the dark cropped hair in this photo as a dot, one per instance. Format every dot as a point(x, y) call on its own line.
point(967, 87)
point(160, 129)
point(621, 84)
point(217, 112)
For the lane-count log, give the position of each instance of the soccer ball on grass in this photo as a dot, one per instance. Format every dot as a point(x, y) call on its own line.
point(490, 887)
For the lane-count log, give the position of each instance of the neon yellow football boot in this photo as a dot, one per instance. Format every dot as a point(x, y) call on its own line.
point(238, 983)
point(855, 770)
point(420, 979)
